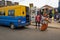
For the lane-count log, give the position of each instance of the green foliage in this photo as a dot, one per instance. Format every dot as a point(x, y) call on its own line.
point(59, 9)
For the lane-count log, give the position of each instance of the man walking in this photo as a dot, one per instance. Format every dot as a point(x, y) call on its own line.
point(37, 20)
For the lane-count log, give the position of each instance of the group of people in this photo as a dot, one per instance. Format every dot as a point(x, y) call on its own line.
point(57, 17)
point(41, 19)
point(45, 18)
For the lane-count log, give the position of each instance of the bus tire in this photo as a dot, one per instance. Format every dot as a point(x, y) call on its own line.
point(12, 26)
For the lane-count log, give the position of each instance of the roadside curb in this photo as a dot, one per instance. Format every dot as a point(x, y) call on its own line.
point(50, 27)
point(53, 27)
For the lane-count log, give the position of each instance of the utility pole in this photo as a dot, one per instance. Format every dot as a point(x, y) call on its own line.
point(5, 2)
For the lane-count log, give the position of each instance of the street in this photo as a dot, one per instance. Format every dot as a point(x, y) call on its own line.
point(29, 34)
point(35, 15)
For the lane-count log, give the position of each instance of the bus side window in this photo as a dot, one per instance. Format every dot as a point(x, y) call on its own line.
point(11, 13)
point(2, 13)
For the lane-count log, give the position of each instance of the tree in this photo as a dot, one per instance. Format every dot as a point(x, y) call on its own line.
point(59, 9)
point(3, 0)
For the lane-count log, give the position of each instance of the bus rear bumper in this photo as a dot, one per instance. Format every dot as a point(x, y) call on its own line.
point(20, 25)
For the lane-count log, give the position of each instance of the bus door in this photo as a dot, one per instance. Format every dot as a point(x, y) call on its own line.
point(27, 16)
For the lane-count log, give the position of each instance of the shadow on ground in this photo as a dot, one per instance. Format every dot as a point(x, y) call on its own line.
point(19, 28)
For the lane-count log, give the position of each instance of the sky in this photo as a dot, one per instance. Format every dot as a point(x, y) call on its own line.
point(38, 3)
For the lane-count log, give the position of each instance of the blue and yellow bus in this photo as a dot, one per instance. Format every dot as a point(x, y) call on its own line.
point(14, 16)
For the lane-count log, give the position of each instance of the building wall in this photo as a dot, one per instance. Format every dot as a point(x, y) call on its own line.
point(7, 3)
point(33, 13)
point(0, 0)
point(2, 3)
point(16, 3)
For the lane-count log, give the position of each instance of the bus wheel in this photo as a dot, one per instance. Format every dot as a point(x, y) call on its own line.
point(12, 26)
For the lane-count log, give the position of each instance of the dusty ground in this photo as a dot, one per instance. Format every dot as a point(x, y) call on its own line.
point(29, 34)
